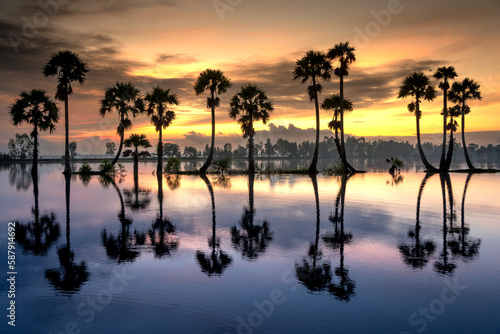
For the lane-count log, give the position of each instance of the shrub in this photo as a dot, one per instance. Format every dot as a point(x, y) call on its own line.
point(173, 165)
point(222, 165)
point(85, 169)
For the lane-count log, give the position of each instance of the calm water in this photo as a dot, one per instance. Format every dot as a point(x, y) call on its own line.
point(279, 254)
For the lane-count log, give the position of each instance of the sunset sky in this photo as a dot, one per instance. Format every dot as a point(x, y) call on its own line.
point(168, 43)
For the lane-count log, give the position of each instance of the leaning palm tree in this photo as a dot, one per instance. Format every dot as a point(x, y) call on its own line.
point(124, 98)
point(136, 141)
point(460, 93)
point(251, 104)
point(333, 104)
point(35, 108)
point(419, 87)
point(344, 54)
point(311, 68)
point(216, 83)
point(444, 73)
point(68, 67)
point(158, 101)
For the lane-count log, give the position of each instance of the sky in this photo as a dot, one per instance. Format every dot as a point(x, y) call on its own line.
point(167, 43)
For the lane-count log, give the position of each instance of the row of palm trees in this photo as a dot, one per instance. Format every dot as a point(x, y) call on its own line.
point(249, 104)
point(419, 87)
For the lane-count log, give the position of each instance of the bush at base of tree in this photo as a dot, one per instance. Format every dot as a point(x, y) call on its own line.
point(85, 168)
point(173, 165)
point(222, 165)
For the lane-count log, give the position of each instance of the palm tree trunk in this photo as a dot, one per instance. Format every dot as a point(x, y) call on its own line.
point(343, 155)
point(207, 163)
point(316, 200)
point(427, 165)
point(67, 167)
point(136, 163)
point(34, 167)
point(451, 148)
point(251, 163)
point(122, 134)
point(314, 162)
point(67, 179)
point(337, 141)
point(469, 163)
point(442, 162)
point(159, 167)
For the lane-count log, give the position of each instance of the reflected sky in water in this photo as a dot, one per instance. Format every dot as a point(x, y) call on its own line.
point(279, 254)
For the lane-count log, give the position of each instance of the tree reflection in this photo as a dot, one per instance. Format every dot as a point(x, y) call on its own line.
point(444, 265)
point(162, 229)
point(70, 276)
point(137, 198)
point(19, 176)
point(417, 254)
point(462, 244)
point(37, 236)
point(215, 263)
point(121, 247)
point(250, 239)
point(173, 181)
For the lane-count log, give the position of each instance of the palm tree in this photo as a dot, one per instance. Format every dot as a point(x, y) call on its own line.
point(35, 108)
point(311, 68)
point(344, 54)
point(333, 104)
point(158, 101)
point(216, 83)
point(125, 99)
point(460, 93)
point(136, 141)
point(251, 104)
point(452, 125)
point(444, 73)
point(68, 67)
point(419, 87)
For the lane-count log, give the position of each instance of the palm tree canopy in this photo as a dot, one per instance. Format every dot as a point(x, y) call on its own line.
point(214, 82)
point(124, 98)
point(332, 104)
point(313, 65)
point(252, 104)
point(68, 67)
point(463, 91)
point(418, 86)
point(36, 108)
point(158, 101)
point(445, 73)
point(344, 54)
point(136, 140)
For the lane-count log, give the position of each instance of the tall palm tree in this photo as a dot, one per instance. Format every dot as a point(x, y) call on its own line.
point(419, 87)
point(124, 98)
point(158, 101)
point(311, 68)
point(333, 104)
point(251, 104)
point(35, 108)
point(216, 83)
point(452, 126)
point(68, 67)
point(444, 73)
point(136, 141)
point(344, 54)
point(461, 93)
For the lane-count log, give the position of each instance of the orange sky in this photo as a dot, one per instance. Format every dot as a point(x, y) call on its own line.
point(168, 43)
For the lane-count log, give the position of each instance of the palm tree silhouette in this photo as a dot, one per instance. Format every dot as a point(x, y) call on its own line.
point(333, 104)
point(136, 141)
point(158, 101)
point(464, 246)
point(461, 93)
point(311, 68)
point(419, 87)
point(162, 228)
point(35, 108)
point(444, 266)
point(68, 67)
point(70, 276)
point(119, 248)
point(218, 261)
point(39, 235)
point(125, 99)
point(416, 254)
point(344, 54)
point(251, 104)
point(452, 126)
point(251, 239)
point(444, 73)
point(216, 83)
